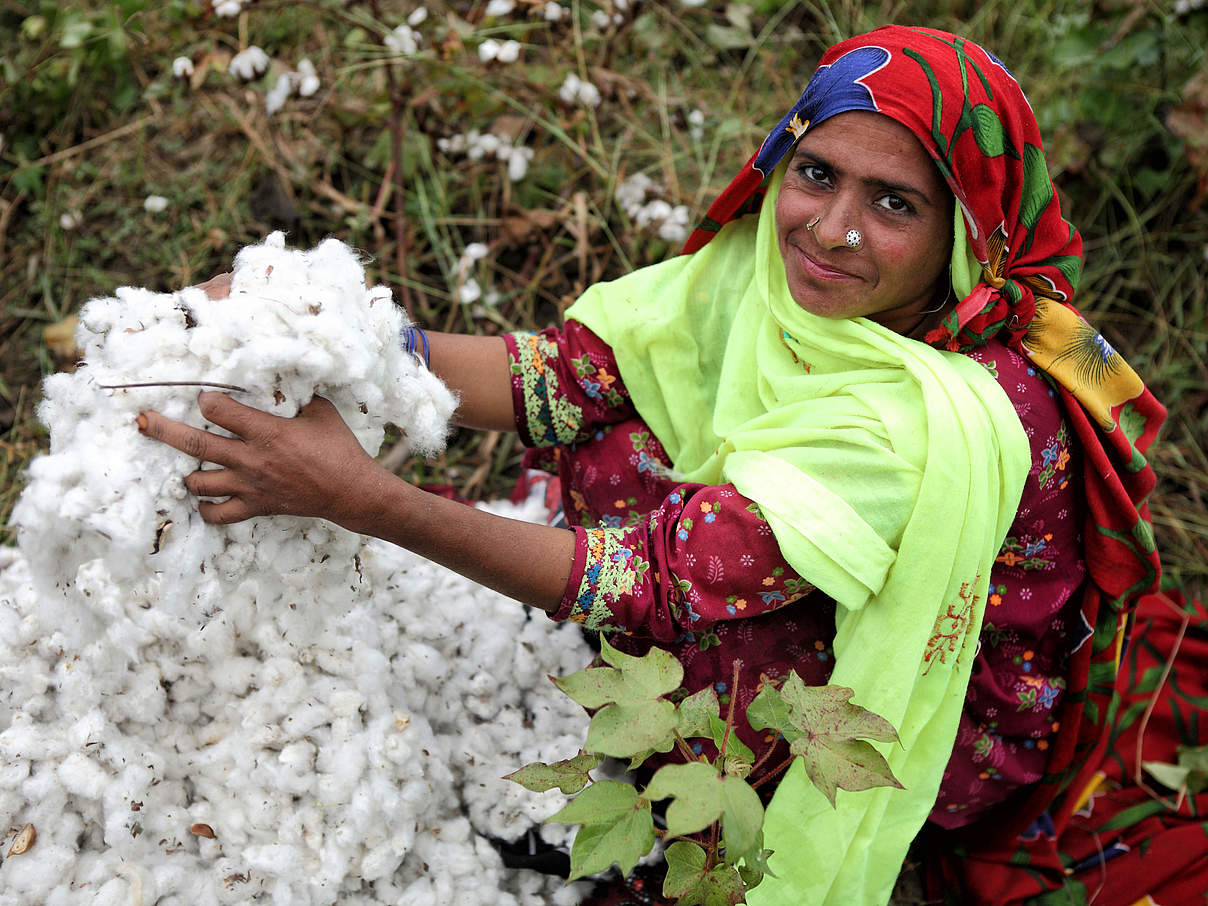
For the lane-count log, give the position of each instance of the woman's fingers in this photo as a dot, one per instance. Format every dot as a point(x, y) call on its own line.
point(226, 512)
point(213, 483)
point(244, 421)
point(193, 442)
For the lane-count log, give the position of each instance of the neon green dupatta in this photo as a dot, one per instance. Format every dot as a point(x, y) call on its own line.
point(889, 472)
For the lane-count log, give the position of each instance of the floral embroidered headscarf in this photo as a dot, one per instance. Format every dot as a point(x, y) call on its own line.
point(971, 116)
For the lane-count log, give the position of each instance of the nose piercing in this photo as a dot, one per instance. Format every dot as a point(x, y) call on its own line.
point(854, 239)
point(813, 223)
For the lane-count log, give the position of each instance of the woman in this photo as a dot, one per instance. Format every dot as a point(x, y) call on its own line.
point(855, 433)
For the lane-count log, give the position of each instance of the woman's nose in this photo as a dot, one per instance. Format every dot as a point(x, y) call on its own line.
point(834, 222)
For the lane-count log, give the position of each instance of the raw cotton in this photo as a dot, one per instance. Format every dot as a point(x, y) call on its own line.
point(278, 711)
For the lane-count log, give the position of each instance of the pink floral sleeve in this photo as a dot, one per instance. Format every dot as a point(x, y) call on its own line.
point(654, 558)
point(564, 384)
point(704, 555)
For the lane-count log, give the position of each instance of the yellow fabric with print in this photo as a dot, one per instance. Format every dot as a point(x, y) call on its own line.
point(889, 472)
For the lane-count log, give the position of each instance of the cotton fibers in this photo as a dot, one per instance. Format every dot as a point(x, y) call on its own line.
point(334, 710)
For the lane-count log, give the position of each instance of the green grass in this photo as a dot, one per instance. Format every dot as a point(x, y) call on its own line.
point(93, 122)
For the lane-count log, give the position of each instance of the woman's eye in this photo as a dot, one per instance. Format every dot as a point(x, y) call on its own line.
point(814, 173)
point(894, 203)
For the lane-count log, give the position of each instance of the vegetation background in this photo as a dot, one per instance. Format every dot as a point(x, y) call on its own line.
point(93, 121)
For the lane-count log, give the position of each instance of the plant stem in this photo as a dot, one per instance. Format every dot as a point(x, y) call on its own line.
point(772, 773)
point(725, 738)
point(174, 384)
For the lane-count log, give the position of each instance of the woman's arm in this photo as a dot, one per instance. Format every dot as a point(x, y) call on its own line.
point(313, 465)
point(478, 371)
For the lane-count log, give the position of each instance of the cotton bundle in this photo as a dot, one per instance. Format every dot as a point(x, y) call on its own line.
point(335, 711)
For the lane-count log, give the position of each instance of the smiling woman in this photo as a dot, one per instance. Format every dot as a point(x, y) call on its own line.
point(836, 438)
point(864, 172)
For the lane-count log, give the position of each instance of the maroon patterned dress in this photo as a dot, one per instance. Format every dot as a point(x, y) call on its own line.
point(695, 569)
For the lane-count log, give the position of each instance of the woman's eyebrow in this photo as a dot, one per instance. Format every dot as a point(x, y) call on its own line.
point(895, 187)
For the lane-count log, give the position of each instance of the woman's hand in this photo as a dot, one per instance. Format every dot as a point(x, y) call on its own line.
point(309, 465)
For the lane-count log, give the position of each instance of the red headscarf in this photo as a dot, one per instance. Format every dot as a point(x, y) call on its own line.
point(971, 116)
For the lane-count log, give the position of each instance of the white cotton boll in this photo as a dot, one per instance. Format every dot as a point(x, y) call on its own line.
point(488, 50)
point(569, 91)
point(182, 67)
point(249, 64)
point(227, 8)
point(81, 776)
point(308, 78)
point(553, 12)
point(418, 16)
point(403, 40)
point(499, 7)
point(469, 292)
point(509, 52)
point(155, 204)
point(275, 99)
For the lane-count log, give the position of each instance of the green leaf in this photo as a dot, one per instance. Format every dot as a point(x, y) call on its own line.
point(702, 796)
point(737, 754)
point(623, 730)
point(570, 775)
point(1170, 776)
point(753, 865)
point(690, 883)
point(768, 709)
point(824, 728)
point(617, 827)
point(695, 711)
point(593, 687)
point(634, 716)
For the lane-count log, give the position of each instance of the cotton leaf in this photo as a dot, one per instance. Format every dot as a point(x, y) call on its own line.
point(1171, 776)
point(703, 796)
point(617, 827)
point(695, 711)
point(593, 687)
point(569, 776)
point(752, 865)
point(824, 727)
point(634, 716)
point(624, 729)
point(691, 884)
point(737, 753)
point(655, 673)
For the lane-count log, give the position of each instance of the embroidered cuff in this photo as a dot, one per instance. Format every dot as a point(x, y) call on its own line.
point(544, 415)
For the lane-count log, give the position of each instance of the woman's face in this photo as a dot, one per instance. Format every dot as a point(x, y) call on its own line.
point(865, 171)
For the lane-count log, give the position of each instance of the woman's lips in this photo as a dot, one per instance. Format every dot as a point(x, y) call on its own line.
point(821, 271)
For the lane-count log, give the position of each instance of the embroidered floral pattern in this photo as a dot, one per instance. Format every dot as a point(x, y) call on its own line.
point(611, 570)
point(551, 418)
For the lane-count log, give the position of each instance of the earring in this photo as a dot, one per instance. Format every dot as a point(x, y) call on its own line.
point(931, 311)
point(854, 239)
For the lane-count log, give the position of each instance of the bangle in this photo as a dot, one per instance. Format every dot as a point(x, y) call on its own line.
point(413, 338)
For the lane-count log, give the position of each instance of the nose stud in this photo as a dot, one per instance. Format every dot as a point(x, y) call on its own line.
point(813, 223)
point(854, 239)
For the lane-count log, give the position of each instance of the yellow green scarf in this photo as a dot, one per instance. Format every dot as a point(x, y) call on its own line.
point(889, 472)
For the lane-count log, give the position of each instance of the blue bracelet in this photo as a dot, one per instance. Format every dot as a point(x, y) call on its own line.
point(414, 338)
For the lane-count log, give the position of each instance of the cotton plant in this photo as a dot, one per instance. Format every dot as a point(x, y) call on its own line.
point(275, 711)
point(483, 145)
point(672, 222)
